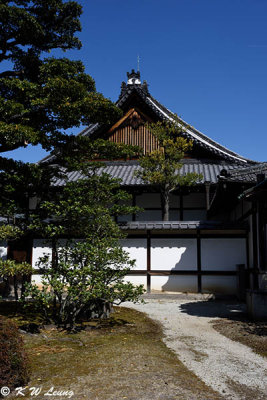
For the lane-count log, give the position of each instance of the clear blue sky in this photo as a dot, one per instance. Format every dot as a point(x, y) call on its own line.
point(206, 60)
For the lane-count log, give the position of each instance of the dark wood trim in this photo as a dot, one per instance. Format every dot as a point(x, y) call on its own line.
point(247, 252)
point(199, 280)
point(255, 246)
point(134, 205)
point(246, 215)
point(148, 262)
point(181, 207)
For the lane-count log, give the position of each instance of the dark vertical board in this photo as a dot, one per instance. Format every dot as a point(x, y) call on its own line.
point(181, 207)
point(199, 277)
point(148, 267)
point(134, 204)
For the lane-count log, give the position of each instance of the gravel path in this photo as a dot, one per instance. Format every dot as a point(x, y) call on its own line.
point(230, 368)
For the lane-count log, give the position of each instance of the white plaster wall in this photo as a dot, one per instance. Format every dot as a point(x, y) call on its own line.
point(222, 254)
point(136, 279)
point(219, 284)
point(40, 249)
point(3, 250)
point(195, 200)
point(167, 254)
point(137, 251)
point(37, 279)
point(174, 283)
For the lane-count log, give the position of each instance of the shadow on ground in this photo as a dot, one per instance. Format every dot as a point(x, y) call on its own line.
point(215, 309)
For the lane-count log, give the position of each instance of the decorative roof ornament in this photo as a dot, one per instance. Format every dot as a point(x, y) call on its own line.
point(133, 78)
point(133, 82)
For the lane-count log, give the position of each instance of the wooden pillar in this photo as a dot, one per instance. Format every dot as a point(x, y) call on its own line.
point(255, 247)
point(199, 276)
point(207, 187)
point(148, 262)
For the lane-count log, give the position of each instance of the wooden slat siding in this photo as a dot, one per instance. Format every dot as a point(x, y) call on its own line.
point(138, 137)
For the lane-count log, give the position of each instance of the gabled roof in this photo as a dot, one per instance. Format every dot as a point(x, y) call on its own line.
point(134, 87)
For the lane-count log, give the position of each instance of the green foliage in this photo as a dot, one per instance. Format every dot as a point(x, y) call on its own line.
point(84, 208)
point(161, 167)
point(40, 98)
point(87, 279)
point(10, 270)
point(8, 232)
point(84, 276)
point(14, 368)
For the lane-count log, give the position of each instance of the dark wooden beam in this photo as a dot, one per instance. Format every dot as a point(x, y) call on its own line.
point(199, 280)
point(148, 262)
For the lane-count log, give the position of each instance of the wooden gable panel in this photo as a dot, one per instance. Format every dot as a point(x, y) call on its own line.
point(131, 129)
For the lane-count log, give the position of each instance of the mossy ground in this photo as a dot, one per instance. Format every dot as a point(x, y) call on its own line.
point(251, 333)
point(120, 358)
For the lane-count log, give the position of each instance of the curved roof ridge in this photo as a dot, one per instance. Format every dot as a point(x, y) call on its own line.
point(165, 113)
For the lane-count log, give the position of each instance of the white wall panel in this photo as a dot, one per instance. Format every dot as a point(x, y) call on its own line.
point(3, 250)
point(136, 279)
point(174, 283)
point(219, 284)
point(40, 249)
point(167, 254)
point(222, 254)
point(137, 251)
point(37, 279)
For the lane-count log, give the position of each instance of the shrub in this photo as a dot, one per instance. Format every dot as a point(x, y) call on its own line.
point(14, 370)
point(11, 271)
point(87, 280)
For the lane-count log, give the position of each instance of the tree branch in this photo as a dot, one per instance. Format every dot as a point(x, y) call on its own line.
point(8, 147)
point(11, 73)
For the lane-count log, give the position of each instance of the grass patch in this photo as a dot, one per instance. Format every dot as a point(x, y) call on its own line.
point(120, 358)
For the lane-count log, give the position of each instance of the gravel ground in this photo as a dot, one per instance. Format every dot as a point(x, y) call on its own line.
point(230, 368)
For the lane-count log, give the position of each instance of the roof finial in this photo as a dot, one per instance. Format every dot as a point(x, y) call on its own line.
point(133, 78)
point(138, 63)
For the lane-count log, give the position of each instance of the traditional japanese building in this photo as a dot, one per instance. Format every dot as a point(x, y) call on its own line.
point(210, 232)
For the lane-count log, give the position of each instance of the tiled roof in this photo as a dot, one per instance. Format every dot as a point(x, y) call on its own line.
point(248, 174)
point(125, 170)
point(178, 225)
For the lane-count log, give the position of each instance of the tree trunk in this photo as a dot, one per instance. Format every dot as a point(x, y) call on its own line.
point(165, 205)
